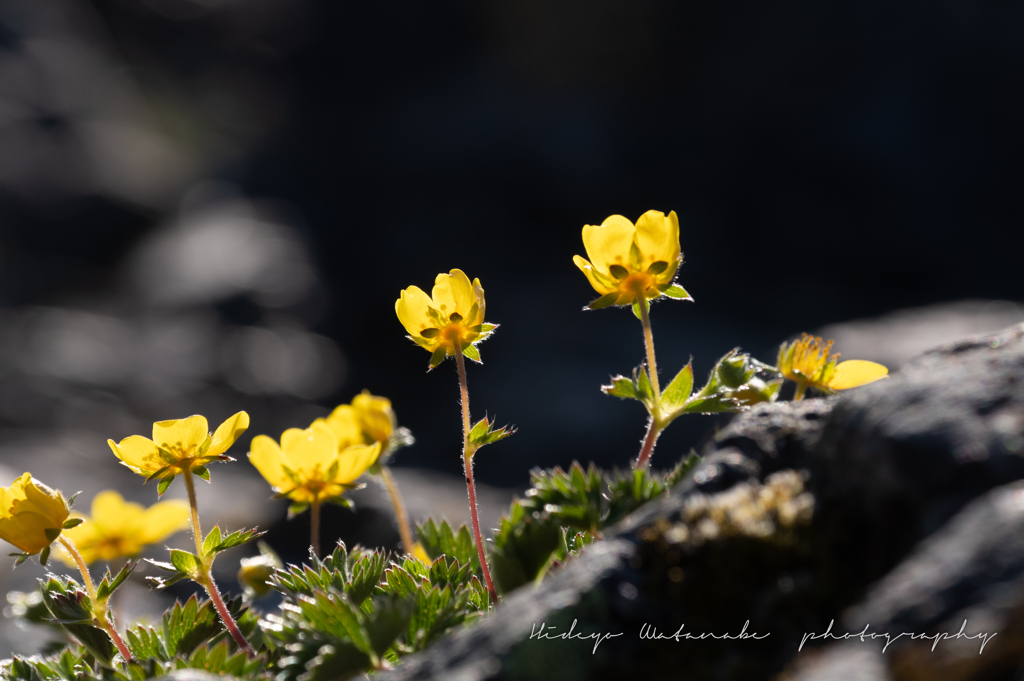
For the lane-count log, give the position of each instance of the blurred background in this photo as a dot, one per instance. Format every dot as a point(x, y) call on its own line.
point(211, 205)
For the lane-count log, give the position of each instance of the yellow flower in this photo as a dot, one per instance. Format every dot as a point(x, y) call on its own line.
point(452, 316)
point(367, 420)
point(179, 445)
point(420, 554)
point(628, 262)
point(807, 361)
point(120, 529)
point(308, 467)
point(31, 514)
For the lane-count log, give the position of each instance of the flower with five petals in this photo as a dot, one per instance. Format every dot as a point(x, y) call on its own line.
point(179, 446)
point(120, 529)
point(451, 317)
point(632, 262)
point(307, 467)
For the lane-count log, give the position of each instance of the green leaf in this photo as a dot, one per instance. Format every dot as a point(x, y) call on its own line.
point(439, 540)
point(678, 391)
point(72, 522)
point(430, 333)
point(44, 556)
point(479, 430)
point(202, 472)
point(676, 292)
point(437, 357)
point(604, 301)
point(636, 308)
point(644, 390)
point(618, 271)
point(185, 562)
point(471, 352)
point(296, 509)
point(71, 499)
point(391, 616)
point(163, 485)
point(621, 387)
point(213, 538)
point(488, 328)
point(109, 584)
point(236, 538)
point(51, 533)
point(657, 267)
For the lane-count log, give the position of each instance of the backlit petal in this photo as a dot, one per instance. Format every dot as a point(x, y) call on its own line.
point(855, 372)
point(354, 461)
point(657, 237)
point(181, 434)
point(608, 243)
point(163, 519)
point(344, 423)
point(228, 432)
point(588, 270)
point(111, 511)
point(138, 453)
point(309, 450)
point(411, 307)
point(267, 457)
point(453, 292)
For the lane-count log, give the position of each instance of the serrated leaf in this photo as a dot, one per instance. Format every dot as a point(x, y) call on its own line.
point(237, 538)
point(185, 562)
point(479, 430)
point(621, 387)
point(678, 391)
point(676, 292)
point(390, 617)
point(213, 538)
point(109, 584)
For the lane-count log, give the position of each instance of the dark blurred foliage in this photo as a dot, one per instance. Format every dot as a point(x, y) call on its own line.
point(827, 161)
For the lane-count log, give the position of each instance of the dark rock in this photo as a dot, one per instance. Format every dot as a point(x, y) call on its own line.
point(795, 511)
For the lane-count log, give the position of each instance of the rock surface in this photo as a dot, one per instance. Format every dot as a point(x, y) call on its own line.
point(796, 511)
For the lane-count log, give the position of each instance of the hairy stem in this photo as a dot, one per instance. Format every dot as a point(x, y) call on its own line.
point(102, 618)
point(206, 577)
point(653, 431)
point(400, 514)
point(314, 527)
point(467, 462)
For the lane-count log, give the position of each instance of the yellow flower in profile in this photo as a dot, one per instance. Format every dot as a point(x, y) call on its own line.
point(121, 529)
point(808, 362)
point(307, 467)
point(630, 262)
point(367, 420)
point(178, 446)
point(31, 514)
point(451, 317)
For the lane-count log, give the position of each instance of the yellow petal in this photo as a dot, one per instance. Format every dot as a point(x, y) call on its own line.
point(44, 502)
point(478, 291)
point(227, 433)
point(588, 270)
point(309, 452)
point(375, 416)
point(183, 435)
point(27, 531)
point(657, 237)
point(608, 244)
point(453, 293)
point(411, 307)
point(354, 461)
point(163, 519)
point(420, 554)
point(110, 510)
point(138, 453)
point(344, 423)
point(267, 457)
point(855, 372)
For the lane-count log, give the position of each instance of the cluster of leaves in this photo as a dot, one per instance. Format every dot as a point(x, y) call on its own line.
point(352, 612)
point(566, 510)
point(188, 565)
